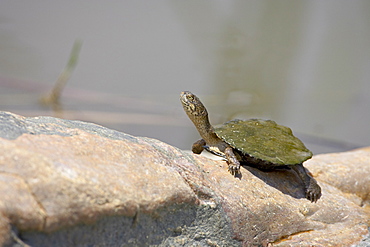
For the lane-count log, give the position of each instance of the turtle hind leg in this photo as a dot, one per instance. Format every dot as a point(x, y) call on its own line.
point(198, 146)
point(313, 190)
point(232, 161)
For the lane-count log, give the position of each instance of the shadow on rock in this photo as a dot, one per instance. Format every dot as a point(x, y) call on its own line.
point(284, 179)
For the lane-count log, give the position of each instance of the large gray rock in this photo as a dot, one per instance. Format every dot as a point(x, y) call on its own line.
point(70, 183)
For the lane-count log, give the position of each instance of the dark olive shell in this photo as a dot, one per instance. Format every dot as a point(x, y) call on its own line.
point(265, 140)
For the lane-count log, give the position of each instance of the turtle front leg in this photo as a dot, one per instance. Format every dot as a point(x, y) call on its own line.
point(198, 146)
point(313, 190)
point(232, 161)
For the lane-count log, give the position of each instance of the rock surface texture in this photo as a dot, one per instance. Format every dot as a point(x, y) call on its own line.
point(71, 183)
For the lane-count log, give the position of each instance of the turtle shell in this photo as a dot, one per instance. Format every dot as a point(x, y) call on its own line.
point(265, 140)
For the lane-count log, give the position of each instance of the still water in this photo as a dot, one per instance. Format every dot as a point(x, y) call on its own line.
point(303, 64)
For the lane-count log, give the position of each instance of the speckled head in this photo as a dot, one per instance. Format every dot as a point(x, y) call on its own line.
point(192, 105)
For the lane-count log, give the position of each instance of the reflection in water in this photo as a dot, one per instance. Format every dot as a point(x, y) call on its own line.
point(53, 98)
point(132, 115)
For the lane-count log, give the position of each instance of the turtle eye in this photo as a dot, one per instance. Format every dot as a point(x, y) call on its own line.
point(190, 97)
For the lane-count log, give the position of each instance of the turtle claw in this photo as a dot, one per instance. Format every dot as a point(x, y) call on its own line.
point(232, 161)
point(234, 169)
point(313, 192)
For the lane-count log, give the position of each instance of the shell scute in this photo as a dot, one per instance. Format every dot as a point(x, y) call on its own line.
point(265, 140)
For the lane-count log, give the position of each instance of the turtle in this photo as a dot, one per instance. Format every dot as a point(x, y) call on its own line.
point(258, 143)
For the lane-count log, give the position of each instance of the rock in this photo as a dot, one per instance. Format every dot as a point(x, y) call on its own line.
point(71, 183)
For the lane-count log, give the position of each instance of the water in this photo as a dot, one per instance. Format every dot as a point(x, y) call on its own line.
point(304, 64)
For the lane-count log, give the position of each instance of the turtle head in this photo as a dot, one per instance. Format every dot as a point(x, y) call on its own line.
point(192, 105)
point(199, 116)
